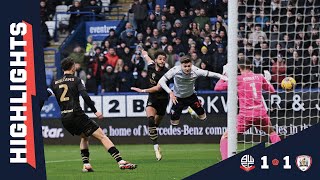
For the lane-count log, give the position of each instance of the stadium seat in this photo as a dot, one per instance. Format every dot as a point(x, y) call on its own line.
point(49, 77)
point(51, 27)
point(213, 20)
point(105, 3)
point(62, 18)
point(62, 8)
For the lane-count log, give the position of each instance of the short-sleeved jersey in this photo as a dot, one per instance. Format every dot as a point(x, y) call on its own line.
point(184, 83)
point(250, 88)
point(67, 90)
point(154, 76)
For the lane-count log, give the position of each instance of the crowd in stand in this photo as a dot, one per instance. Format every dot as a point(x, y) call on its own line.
point(279, 36)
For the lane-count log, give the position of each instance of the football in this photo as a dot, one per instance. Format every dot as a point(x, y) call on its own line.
point(288, 83)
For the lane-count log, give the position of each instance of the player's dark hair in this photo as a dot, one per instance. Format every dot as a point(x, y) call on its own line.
point(67, 63)
point(159, 53)
point(185, 59)
point(245, 64)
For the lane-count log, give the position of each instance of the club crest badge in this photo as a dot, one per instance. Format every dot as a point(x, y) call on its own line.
point(303, 162)
point(247, 163)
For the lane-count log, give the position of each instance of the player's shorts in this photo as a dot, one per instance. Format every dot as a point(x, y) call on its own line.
point(160, 105)
point(245, 122)
point(80, 124)
point(191, 101)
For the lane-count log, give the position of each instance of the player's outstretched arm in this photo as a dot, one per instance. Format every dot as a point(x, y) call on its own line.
point(221, 85)
point(88, 100)
point(149, 90)
point(163, 83)
point(267, 86)
point(207, 73)
point(146, 56)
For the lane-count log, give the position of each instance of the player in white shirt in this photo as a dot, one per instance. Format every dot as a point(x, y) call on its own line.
point(183, 94)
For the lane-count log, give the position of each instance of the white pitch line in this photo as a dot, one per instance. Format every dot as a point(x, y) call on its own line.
point(170, 150)
point(69, 160)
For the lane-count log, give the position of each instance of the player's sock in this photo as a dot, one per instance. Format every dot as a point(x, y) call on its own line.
point(153, 133)
point(274, 138)
point(85, 155)
point(224, 148)
point(115, 153)
point(193, 114)
point(156, 146)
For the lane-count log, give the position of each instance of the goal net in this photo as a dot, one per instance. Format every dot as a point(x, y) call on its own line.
point(282, 37)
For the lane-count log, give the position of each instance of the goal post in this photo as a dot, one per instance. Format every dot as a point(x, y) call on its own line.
point(232, 77)
point(282, 37)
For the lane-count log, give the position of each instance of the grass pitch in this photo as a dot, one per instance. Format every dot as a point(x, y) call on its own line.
point(179, 161)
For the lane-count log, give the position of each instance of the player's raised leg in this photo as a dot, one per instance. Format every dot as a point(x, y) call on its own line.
point(84, 150)
point(224, 146)
point(175, 113)
point(113, 151)
point(267, 127)
point(153, 133)
point(195, 109)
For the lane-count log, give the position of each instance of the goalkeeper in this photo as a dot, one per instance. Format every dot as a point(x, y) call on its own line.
point(252, 110)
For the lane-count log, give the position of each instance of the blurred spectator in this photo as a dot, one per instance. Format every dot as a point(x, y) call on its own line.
point(44, 12)
point(222, 7)
point(142, 82)
point(109, 80)
point(219, 59)
point(44, 35)
point(195, 60)
point(179, 5)
point(128, 27)
point(139, 40)
point(97, 67)
point(91, 84)
point(259, 64)
point(137, 62)
point(151, 5)
point(119, 66)
point(171, 57)
point(177, 27)
point(178, 47)
point(164, 31)
point(125, 79)
point(208, 44)
point(254, 37)
point(202, 19)
point(80, 72)
point(313, 71)
point(164, 43)
point(185, 20)
point(172, 14)
point(154, 48)
point(150, 22)
point(89, 46)
point(140, 11)
point(203, 82)
point(76, 16)
point(105, 47)
point(112, 38)
point(206, 58)
point(126, 57)
point(195, 29)
point(208, 7)
point(155, 36)
point(278, 70)
point(165, 22)
point(261, 19)
point(112, 57)
point(157, 12)
point(129, 39)
point(92, 7)
point(78, 56)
